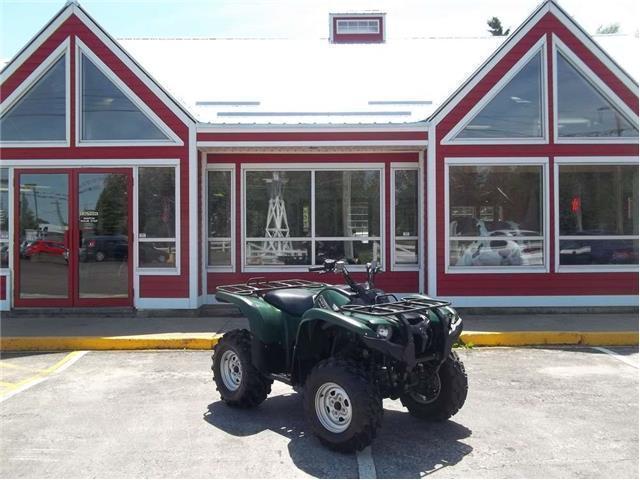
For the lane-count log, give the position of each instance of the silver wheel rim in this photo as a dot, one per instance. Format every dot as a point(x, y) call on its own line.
point(434, 394)
point(333, 407)
point(231, 370)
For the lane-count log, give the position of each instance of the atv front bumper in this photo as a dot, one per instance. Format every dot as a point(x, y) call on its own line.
point(407, 353)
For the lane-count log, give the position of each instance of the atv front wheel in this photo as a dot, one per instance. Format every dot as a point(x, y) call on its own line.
point(240, 384)
point(441, 396)
point(342, 406)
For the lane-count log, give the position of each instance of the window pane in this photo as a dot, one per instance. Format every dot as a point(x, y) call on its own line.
point(278, 204)
point(157, 254)
point(583, 111)
point(219, 253)
point(348, 204)
point(278, 252)
point(599, 252)
point(156, 202)
point(108, 114)
point(495, 200)
point(41, 113)
point(353, 252)
point(406, 207)
point(516, 111)
point(406, 252)
point(219, 192)
point(496, 252)
point(4, 204)
point(598, 199)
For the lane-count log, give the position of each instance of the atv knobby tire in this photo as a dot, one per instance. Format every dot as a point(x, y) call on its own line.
point(453, 393)
point(366, 404)
point(253, 387)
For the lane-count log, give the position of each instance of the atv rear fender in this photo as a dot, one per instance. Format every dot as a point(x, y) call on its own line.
point(265, 321)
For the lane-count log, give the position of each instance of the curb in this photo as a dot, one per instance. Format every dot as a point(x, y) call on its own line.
point(207, 341)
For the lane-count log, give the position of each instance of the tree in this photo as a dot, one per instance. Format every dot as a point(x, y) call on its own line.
point(608, 29)
point(495, 27)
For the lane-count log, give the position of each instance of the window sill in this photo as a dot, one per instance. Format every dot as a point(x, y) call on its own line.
point(501, 270)
point(211, 269)
point(157, 271)
point(598, 269)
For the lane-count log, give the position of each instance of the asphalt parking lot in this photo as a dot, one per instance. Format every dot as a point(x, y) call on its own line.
point(570, 412)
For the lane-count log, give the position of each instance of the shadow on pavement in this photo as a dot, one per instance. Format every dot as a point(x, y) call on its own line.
point(404, 447)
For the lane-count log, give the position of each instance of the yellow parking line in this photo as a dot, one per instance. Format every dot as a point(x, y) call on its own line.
point(17, 367)
point(8, 385)
point(67, 361)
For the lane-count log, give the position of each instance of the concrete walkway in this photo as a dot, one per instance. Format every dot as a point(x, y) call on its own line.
point(60, 332)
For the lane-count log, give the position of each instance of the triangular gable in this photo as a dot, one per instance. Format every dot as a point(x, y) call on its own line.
point(11, 74)
point(109, 111)
point(515, 109)
point(621, 77)
point(586, 108)
point(37, 112)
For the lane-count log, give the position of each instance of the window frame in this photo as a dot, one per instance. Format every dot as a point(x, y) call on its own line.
point(25, 86)
point(5, 271)
point(81, 50)
point(220, 167)
point(356, 20)
point(559, 47)
point(558, 162)
point(175, 164)
point(309, 167)
point(539, 47)
point(544, 195)
point(395, 267)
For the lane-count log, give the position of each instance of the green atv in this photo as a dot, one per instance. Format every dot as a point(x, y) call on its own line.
point(347, 346)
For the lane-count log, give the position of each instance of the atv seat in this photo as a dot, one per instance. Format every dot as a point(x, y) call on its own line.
point(294, 301)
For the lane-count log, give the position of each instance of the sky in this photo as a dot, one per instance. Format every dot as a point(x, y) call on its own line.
point(21, 19)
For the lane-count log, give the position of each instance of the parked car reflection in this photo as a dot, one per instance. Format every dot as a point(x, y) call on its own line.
point(43, 250)
point(104, 247)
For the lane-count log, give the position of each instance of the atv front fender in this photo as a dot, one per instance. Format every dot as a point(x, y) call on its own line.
point(335, 318)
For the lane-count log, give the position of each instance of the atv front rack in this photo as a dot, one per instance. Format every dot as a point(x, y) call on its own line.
point(260, 286)
point(406, 305)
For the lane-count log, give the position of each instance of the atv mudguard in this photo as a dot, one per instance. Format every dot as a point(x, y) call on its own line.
point(266, 322)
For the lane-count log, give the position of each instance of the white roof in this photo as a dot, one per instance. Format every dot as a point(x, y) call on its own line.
point(282, 81)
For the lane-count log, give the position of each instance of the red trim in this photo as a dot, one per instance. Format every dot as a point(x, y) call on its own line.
point(307, 136)
point(3, 287)
point(552, 283)
point(345, 158)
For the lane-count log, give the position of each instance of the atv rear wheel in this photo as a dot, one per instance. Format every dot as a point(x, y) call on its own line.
point(443, 395)
point(343, 408)
point(240, 384)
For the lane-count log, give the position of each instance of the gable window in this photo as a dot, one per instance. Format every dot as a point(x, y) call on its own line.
point(40, 114)
point(597, 214)
point(516, 111)
point(108, 114)
point(583, 111)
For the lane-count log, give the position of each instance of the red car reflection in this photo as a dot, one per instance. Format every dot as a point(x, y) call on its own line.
point(45, 247)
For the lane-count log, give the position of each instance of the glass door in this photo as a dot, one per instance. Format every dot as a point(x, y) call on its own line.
point(43, 239)
point(103, 237)
point(74, 237)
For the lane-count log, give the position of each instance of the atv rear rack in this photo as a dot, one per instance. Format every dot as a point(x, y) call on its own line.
point(406, 305)
point(260, 286)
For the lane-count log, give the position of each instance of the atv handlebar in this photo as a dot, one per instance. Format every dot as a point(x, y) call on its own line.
point(319, 268)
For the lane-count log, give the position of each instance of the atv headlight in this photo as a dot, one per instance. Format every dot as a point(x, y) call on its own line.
point(384, 331)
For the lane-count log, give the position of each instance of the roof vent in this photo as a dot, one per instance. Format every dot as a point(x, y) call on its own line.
point(361, 27)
